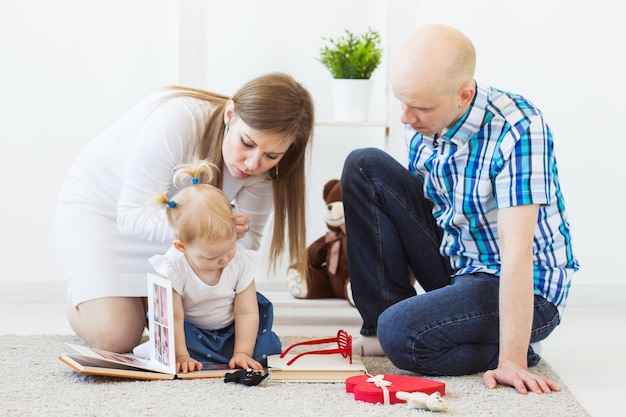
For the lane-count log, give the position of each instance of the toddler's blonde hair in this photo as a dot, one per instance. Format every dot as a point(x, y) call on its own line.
point(199, 211)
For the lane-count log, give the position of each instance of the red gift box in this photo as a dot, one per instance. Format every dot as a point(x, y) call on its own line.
point(382, 388)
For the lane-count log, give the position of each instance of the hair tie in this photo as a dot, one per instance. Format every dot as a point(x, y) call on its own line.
point(194, 181)
point(172, 203)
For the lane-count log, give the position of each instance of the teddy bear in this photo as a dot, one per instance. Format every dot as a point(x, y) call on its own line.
point(327, 271)
point(432, 402)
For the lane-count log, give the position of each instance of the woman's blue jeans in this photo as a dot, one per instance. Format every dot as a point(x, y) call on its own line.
point(452, 328)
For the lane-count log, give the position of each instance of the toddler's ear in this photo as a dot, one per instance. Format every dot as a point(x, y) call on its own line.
point(179, 245)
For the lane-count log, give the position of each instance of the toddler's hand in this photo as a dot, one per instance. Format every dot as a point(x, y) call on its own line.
point(244, 361)
point(185, 363)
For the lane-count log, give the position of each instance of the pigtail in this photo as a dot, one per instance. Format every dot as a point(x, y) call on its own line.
point(200, 171)
point(162, 199)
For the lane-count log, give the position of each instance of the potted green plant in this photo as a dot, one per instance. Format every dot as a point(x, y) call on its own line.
point(351, 60)
point(352, 56)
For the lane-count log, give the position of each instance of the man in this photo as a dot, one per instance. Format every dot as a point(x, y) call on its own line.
point(478, 220)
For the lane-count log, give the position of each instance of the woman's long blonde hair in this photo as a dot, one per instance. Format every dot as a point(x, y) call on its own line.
point(278, 104)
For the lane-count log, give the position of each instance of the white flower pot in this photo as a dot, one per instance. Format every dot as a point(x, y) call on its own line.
point(351, 99)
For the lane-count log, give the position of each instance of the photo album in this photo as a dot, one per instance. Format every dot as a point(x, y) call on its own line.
point(162, 359)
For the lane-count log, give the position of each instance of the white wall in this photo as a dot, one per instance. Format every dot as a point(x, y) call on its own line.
point(70, 67)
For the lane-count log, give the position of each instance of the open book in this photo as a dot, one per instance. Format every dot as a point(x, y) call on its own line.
point(162, 362)
point(314, 368)
point(92, 361)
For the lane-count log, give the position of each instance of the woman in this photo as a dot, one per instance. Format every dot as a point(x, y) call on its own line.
point(106, 231)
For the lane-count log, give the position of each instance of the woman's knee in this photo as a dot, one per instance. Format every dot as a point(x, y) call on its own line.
point(115, 324)
point(120, 339)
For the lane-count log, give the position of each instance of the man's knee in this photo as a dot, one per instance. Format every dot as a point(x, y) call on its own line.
point(391, 333)
point(363, 157)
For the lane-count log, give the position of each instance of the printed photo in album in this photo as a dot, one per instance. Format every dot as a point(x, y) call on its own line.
point(161, 322)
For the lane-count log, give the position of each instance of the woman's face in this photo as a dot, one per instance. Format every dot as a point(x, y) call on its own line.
point(248, 152)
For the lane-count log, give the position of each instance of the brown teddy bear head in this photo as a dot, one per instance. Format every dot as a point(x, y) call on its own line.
point(333, 215)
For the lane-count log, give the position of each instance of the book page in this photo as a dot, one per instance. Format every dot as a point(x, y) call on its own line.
point(112, 358)
point(161, 324)
point(93, 366)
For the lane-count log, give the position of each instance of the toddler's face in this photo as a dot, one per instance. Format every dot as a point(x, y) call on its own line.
point(206, 256)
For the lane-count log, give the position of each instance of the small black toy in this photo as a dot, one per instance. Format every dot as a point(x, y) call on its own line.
point(246, 377)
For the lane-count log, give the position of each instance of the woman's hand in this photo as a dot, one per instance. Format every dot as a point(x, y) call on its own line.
point(242, 221)
point(185, 363)
point(244, 361)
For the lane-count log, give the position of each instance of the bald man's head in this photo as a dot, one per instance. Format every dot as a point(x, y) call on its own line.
point(433, 77)
point(437, 57)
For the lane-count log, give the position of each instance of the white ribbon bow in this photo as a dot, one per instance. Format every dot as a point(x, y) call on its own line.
point(382, 383)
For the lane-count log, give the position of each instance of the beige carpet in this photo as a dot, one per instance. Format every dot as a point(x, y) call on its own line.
point(35, 383)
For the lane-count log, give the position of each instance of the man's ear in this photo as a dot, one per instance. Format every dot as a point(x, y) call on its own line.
point(466, 95)
point(179, 245)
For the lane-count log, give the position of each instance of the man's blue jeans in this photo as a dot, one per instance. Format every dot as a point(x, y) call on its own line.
point(452, 328)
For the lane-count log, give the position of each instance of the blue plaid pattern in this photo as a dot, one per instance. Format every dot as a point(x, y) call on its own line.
point(500, 154)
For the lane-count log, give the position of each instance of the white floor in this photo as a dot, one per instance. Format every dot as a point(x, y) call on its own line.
point(587, 350)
